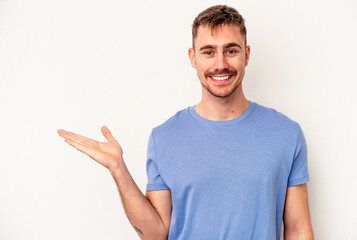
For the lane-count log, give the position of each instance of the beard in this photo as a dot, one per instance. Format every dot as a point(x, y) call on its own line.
point(222, 72)
point(221, 95)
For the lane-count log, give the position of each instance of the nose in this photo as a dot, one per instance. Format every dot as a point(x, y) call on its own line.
point(220, 62)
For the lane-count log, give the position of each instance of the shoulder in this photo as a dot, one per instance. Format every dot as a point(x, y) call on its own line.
point(174, 123)
point(275, 119)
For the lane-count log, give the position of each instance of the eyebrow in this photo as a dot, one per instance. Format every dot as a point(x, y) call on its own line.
point(206, 47)
point(232, 44)
point(227, 45)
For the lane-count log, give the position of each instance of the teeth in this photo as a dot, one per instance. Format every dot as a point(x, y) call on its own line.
point(220, 78)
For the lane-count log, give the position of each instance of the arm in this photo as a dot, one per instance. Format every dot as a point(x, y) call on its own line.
point(297, 223)
point(161, 201)
point(147, 221)
point(149, 218)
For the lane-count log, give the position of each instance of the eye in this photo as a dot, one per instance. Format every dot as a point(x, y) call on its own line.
point(231, 51)
point(207, 53)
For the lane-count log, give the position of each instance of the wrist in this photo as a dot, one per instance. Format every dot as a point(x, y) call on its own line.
point(118, 168)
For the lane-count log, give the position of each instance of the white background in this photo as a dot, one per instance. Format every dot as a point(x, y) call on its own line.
point(78, 65)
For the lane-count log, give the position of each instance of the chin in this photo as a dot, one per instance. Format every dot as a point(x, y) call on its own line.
point(224, 94)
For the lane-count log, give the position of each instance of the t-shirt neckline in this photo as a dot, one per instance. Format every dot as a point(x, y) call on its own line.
point(245, 114)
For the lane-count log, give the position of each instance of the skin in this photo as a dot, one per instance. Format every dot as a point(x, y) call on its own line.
point(297, 222)
point(217, 53)
point(142, 214)
point(220, 52)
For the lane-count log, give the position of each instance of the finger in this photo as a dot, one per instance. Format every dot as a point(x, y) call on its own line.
point(81, 147)
point(74, 136)
point(107, 134)
point(76, 144)
point(65, 134)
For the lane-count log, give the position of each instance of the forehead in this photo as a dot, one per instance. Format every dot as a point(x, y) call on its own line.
point(220, 35)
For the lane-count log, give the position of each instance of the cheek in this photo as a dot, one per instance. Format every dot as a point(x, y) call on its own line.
point(200, 72)
point(237, 63)
point(200, 69)
point(203, 66)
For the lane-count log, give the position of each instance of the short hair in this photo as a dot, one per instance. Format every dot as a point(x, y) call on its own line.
point(216, 16)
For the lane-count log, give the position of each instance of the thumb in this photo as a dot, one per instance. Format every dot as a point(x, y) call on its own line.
point(107, 134)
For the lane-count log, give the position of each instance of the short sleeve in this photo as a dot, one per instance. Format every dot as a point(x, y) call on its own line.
point(155, 181)
point(299, 171)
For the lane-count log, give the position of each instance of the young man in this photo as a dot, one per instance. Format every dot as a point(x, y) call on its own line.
point(226, 168)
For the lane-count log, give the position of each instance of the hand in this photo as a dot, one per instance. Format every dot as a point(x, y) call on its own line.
point(109, 154)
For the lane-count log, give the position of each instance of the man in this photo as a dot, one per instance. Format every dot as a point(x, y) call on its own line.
point(226, 168)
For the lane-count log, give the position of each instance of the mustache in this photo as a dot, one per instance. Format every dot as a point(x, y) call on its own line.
point(228, 71)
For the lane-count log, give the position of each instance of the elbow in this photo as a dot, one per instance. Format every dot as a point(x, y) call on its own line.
point(155, 237)
point(301, 234)
point(298, 230)
point(159, 233)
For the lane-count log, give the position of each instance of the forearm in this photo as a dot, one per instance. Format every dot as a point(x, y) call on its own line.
point(141, 214)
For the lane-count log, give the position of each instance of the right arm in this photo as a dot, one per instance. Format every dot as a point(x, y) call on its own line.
point(149, 215)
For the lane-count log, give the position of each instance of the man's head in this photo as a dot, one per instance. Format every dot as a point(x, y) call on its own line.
point(220, 52)
point(216, 16)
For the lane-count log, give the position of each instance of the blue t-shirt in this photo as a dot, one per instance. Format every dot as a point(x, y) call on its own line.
point(228, 179)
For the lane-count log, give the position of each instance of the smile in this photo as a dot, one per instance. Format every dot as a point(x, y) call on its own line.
point(224, 78)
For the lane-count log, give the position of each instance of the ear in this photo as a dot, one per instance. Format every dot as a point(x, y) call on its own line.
point(247, 54)
point(191, 55)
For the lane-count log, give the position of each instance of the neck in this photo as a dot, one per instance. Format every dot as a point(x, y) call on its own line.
point(222, 109)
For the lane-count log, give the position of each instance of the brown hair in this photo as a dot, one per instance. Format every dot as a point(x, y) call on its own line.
point(216, 16)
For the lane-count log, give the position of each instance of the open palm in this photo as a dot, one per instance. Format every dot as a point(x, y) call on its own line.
point(109, 154)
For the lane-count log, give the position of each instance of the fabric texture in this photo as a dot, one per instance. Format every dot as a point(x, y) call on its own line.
point(228, 179)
